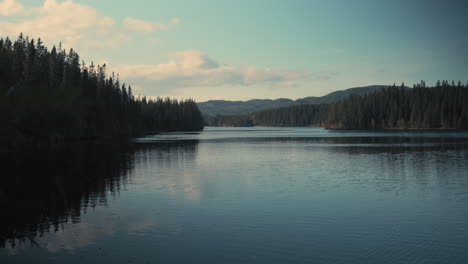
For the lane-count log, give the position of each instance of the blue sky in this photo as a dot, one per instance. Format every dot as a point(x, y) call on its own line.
point(238, 50)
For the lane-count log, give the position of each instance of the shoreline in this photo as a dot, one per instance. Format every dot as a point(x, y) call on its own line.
point(367, 129)
point(401, 129)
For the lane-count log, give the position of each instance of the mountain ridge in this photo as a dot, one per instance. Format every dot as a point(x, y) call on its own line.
point(226, 107)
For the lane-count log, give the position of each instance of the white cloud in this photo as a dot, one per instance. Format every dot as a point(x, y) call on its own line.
point(68, 22)
point(148, 26)
point(83, 28)
point(76, 25)
point(10, 7)
point(192, 68)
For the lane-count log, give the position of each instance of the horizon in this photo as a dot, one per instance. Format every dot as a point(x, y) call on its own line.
point(253, 49)
point(293, 99)
point(339, 90)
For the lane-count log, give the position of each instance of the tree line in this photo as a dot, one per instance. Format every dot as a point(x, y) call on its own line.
point(49, 95)
point(443, 106)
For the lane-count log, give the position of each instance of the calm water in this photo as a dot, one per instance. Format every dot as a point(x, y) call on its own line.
point(242, 195)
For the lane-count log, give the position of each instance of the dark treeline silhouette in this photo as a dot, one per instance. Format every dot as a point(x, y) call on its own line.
point(444, 106)
point(230, 120)
point(293, 116)
point(49, 96)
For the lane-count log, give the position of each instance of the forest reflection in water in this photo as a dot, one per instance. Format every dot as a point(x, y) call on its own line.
point(41, 191)
point(229, 196)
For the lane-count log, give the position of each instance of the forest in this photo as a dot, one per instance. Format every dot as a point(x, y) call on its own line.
point(443, 106)
point(50, 96)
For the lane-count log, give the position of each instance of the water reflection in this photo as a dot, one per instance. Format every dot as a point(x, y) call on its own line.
point(269, 198)
point(169, 166)
point(166, 154)
point(42, 191)
point(422, 169)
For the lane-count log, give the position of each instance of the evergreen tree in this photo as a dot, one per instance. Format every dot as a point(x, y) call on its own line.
point(49, 96)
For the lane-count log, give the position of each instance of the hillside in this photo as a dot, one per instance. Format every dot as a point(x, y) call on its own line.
point(221, 107)
point(49, 97)
point(440, 107)
point(339, 95)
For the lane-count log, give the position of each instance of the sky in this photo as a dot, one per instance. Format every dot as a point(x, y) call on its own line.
point(245, 49)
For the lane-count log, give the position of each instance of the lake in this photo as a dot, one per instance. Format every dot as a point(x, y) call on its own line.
point(242, 195)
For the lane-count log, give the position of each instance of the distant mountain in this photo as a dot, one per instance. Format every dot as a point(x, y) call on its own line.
point(340, 95)
point(221, 107)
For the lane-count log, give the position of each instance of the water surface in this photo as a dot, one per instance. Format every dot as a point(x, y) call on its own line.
point(242, 195)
